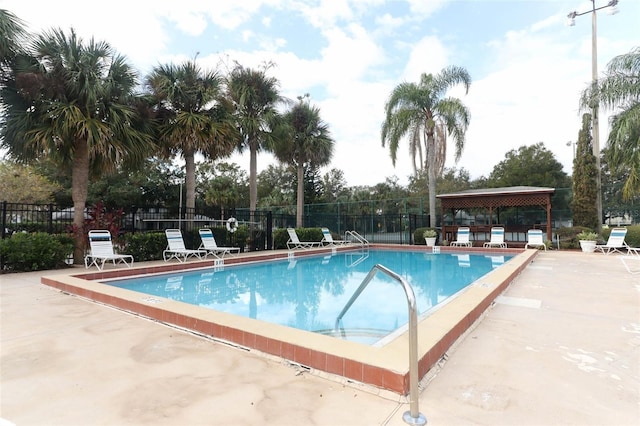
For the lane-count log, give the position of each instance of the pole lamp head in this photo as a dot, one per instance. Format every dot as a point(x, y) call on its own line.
point(613, 4)
point(571, 19)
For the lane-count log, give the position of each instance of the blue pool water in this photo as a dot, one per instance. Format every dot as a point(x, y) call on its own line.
point(308, 293)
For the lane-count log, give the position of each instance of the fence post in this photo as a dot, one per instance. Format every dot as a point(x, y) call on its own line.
point(50, 218)
point(4, 218)
point(133, 219)
point(412, 221)
point(269, 230)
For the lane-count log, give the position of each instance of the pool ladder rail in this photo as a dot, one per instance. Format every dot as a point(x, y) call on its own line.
point(355, 237)
point(413, 416)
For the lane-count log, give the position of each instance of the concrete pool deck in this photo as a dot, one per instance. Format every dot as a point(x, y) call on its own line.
point(561, 346)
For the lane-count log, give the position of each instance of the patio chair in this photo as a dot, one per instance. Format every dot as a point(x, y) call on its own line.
point(295, 243)
point(497, 238)
point(327, 239)
point(462, 238)
point(209, 244)
point(176, 249)
point(615, 242)
point(102, 250)
point(535, 239)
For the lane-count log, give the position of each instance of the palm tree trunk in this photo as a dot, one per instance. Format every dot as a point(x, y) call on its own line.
point(431, 173)
point(190, 185)
point(300, 197)
point(253, 182)
point(79, 190)
point(253, 189)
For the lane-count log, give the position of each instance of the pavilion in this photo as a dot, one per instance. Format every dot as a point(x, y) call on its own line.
point(494, 199)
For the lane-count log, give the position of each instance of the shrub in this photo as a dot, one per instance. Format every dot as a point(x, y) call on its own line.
point(35, 252)
point(430, 233)
point(633, 236)
point(281, 236)
point(569, 236)
point(419, 235)
point(144, 246)
point(587, 236)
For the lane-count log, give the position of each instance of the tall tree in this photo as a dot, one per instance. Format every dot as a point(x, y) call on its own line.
point(334, 186)
point(225, 185)
point(583, 205)
point(255, 97)
point(619, 90)
point(307, 143)
point(277, 187)
point(22, 184)
point(422, 111)
point(193, 117)
point(72, 101)
point(532, 165)
point(11, 35)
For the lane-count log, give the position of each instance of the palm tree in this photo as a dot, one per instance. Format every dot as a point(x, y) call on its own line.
point(422, 111)
point(307, 144)
point(192, 117)
point(620, 90)
point(73, 104)
point(255, 97)
point(11, 33)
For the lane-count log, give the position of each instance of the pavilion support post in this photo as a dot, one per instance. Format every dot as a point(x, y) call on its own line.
point(549, 227)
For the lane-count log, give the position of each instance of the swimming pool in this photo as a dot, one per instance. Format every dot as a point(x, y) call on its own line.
point(385, 367)
point(309, 293)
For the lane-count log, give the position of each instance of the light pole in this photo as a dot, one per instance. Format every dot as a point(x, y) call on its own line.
point(573, 145)
point(595, 97)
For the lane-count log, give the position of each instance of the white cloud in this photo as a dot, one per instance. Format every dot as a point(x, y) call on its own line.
point(427, 56)
point(386, 23)
point(247, 35)
point(425, 8)
point(326, 13)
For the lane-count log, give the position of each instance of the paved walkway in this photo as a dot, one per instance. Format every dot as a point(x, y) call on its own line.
point(562, 346)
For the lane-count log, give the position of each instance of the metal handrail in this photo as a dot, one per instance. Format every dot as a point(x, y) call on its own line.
point(362, 240)
point(413, 416)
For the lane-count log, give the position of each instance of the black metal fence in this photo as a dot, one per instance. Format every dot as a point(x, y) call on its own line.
point(257, 226)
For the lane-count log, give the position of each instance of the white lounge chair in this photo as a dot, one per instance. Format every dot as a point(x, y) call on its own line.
point(209, 244)
point(615, 242)
point(462, 237)
point(295, 243)
point(497, 238)
point(102, 250)
point(535, 239)
point(327, 239)
point(176, 249)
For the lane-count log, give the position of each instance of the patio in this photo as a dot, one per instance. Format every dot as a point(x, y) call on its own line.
point(561, 346)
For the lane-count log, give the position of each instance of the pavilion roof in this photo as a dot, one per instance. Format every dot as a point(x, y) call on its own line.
point(504, 191)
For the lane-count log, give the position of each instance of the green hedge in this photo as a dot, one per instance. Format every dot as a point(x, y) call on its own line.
point(569, 236)
point(144, 246)
point(23, 252)
point(569, 240)
point(281, 236)
point(150, 245)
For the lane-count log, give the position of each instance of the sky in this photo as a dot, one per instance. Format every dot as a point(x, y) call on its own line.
point(528, 67)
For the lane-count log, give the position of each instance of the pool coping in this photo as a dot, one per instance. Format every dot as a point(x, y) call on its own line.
point(385, 367)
